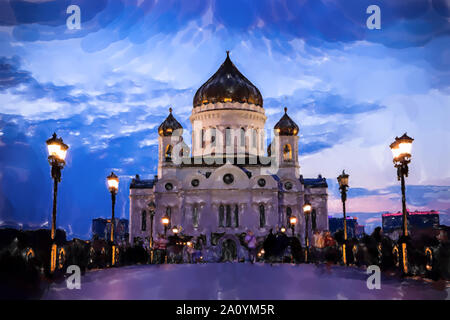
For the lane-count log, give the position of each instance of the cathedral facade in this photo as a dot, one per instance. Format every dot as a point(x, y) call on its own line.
point(228, 182)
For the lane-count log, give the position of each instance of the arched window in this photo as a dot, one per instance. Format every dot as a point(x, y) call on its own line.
point(228, 136)
point(242, 137)
point(261, 140)
point(169, 214)
point(213, 137)
point(195, 217)
point(287, 152)
point(228, 217)
point(236, 216)
point(202, 138)
point(144, 221)
point(262, 216)
point(168, 154)
point(221, 215)
point(288, 214)
point(313, 220)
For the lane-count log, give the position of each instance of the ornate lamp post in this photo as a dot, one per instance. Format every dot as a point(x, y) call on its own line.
point(343, 186)
point(113, 186)
point(57, 151)
point(165, 221)
point(293, 222)
point(151, 208)
point(401, 152)
point(307, 208)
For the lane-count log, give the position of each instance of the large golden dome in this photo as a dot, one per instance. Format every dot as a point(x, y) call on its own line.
point(228, 85)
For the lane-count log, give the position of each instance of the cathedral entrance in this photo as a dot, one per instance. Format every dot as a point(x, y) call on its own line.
point(229, 251)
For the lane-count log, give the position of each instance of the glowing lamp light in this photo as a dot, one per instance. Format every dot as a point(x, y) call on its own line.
point(56, 148)
point(283, 229)
point(175, 230)
point(307, 208)
point(165, 221)
point(113, 182)
point(401, 148)
point(293, 220)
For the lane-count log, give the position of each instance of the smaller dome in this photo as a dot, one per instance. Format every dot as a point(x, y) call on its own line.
point(169, 125)
point(286, 126)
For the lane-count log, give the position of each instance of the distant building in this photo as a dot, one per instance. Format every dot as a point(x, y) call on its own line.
point(360, 230)
point(393, 222)
point(101, 229)
point(354, 230)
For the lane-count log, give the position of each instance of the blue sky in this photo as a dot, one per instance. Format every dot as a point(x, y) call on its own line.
point(106, 87)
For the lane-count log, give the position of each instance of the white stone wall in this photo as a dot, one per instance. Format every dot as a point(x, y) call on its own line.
point(212, 192)
point(221, 116)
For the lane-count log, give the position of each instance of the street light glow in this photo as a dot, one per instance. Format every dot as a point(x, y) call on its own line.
point(401, 148)
point(113, 182)
point(307, 208)
point(56, 148)
point(293, 220)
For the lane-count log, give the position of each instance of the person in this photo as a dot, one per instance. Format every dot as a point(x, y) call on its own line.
point(161, 247)
point(250, 239)
point(329, 240)
point(198, 247)
point(318, 244)
point(269, 245)
point(190, 251)
point(316, 239)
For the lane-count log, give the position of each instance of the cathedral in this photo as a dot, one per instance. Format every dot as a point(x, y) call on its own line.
point(228, 182)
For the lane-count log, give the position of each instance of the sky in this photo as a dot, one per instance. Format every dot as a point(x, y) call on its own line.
point(107, 86)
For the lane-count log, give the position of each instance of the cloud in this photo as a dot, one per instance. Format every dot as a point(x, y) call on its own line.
point(404, 24)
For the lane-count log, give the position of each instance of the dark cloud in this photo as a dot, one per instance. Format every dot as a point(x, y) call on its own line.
point(416, 195)
point(11, 75)
point(21, 82)
point(318, 137)
point(404, 23)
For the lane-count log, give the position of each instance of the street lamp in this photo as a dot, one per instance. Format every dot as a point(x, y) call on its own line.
point(165, 221)
point(57, 151)
point(151, 208)
point(307, 208)
point(113, 186)
point(343, 186)
point(283, 229)
point(293, 222)
point(401, 152)
point(175, 230)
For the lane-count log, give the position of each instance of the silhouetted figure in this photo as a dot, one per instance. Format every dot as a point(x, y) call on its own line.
point(269, 246)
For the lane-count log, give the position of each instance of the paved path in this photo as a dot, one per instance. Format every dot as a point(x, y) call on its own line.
point(242, 281)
